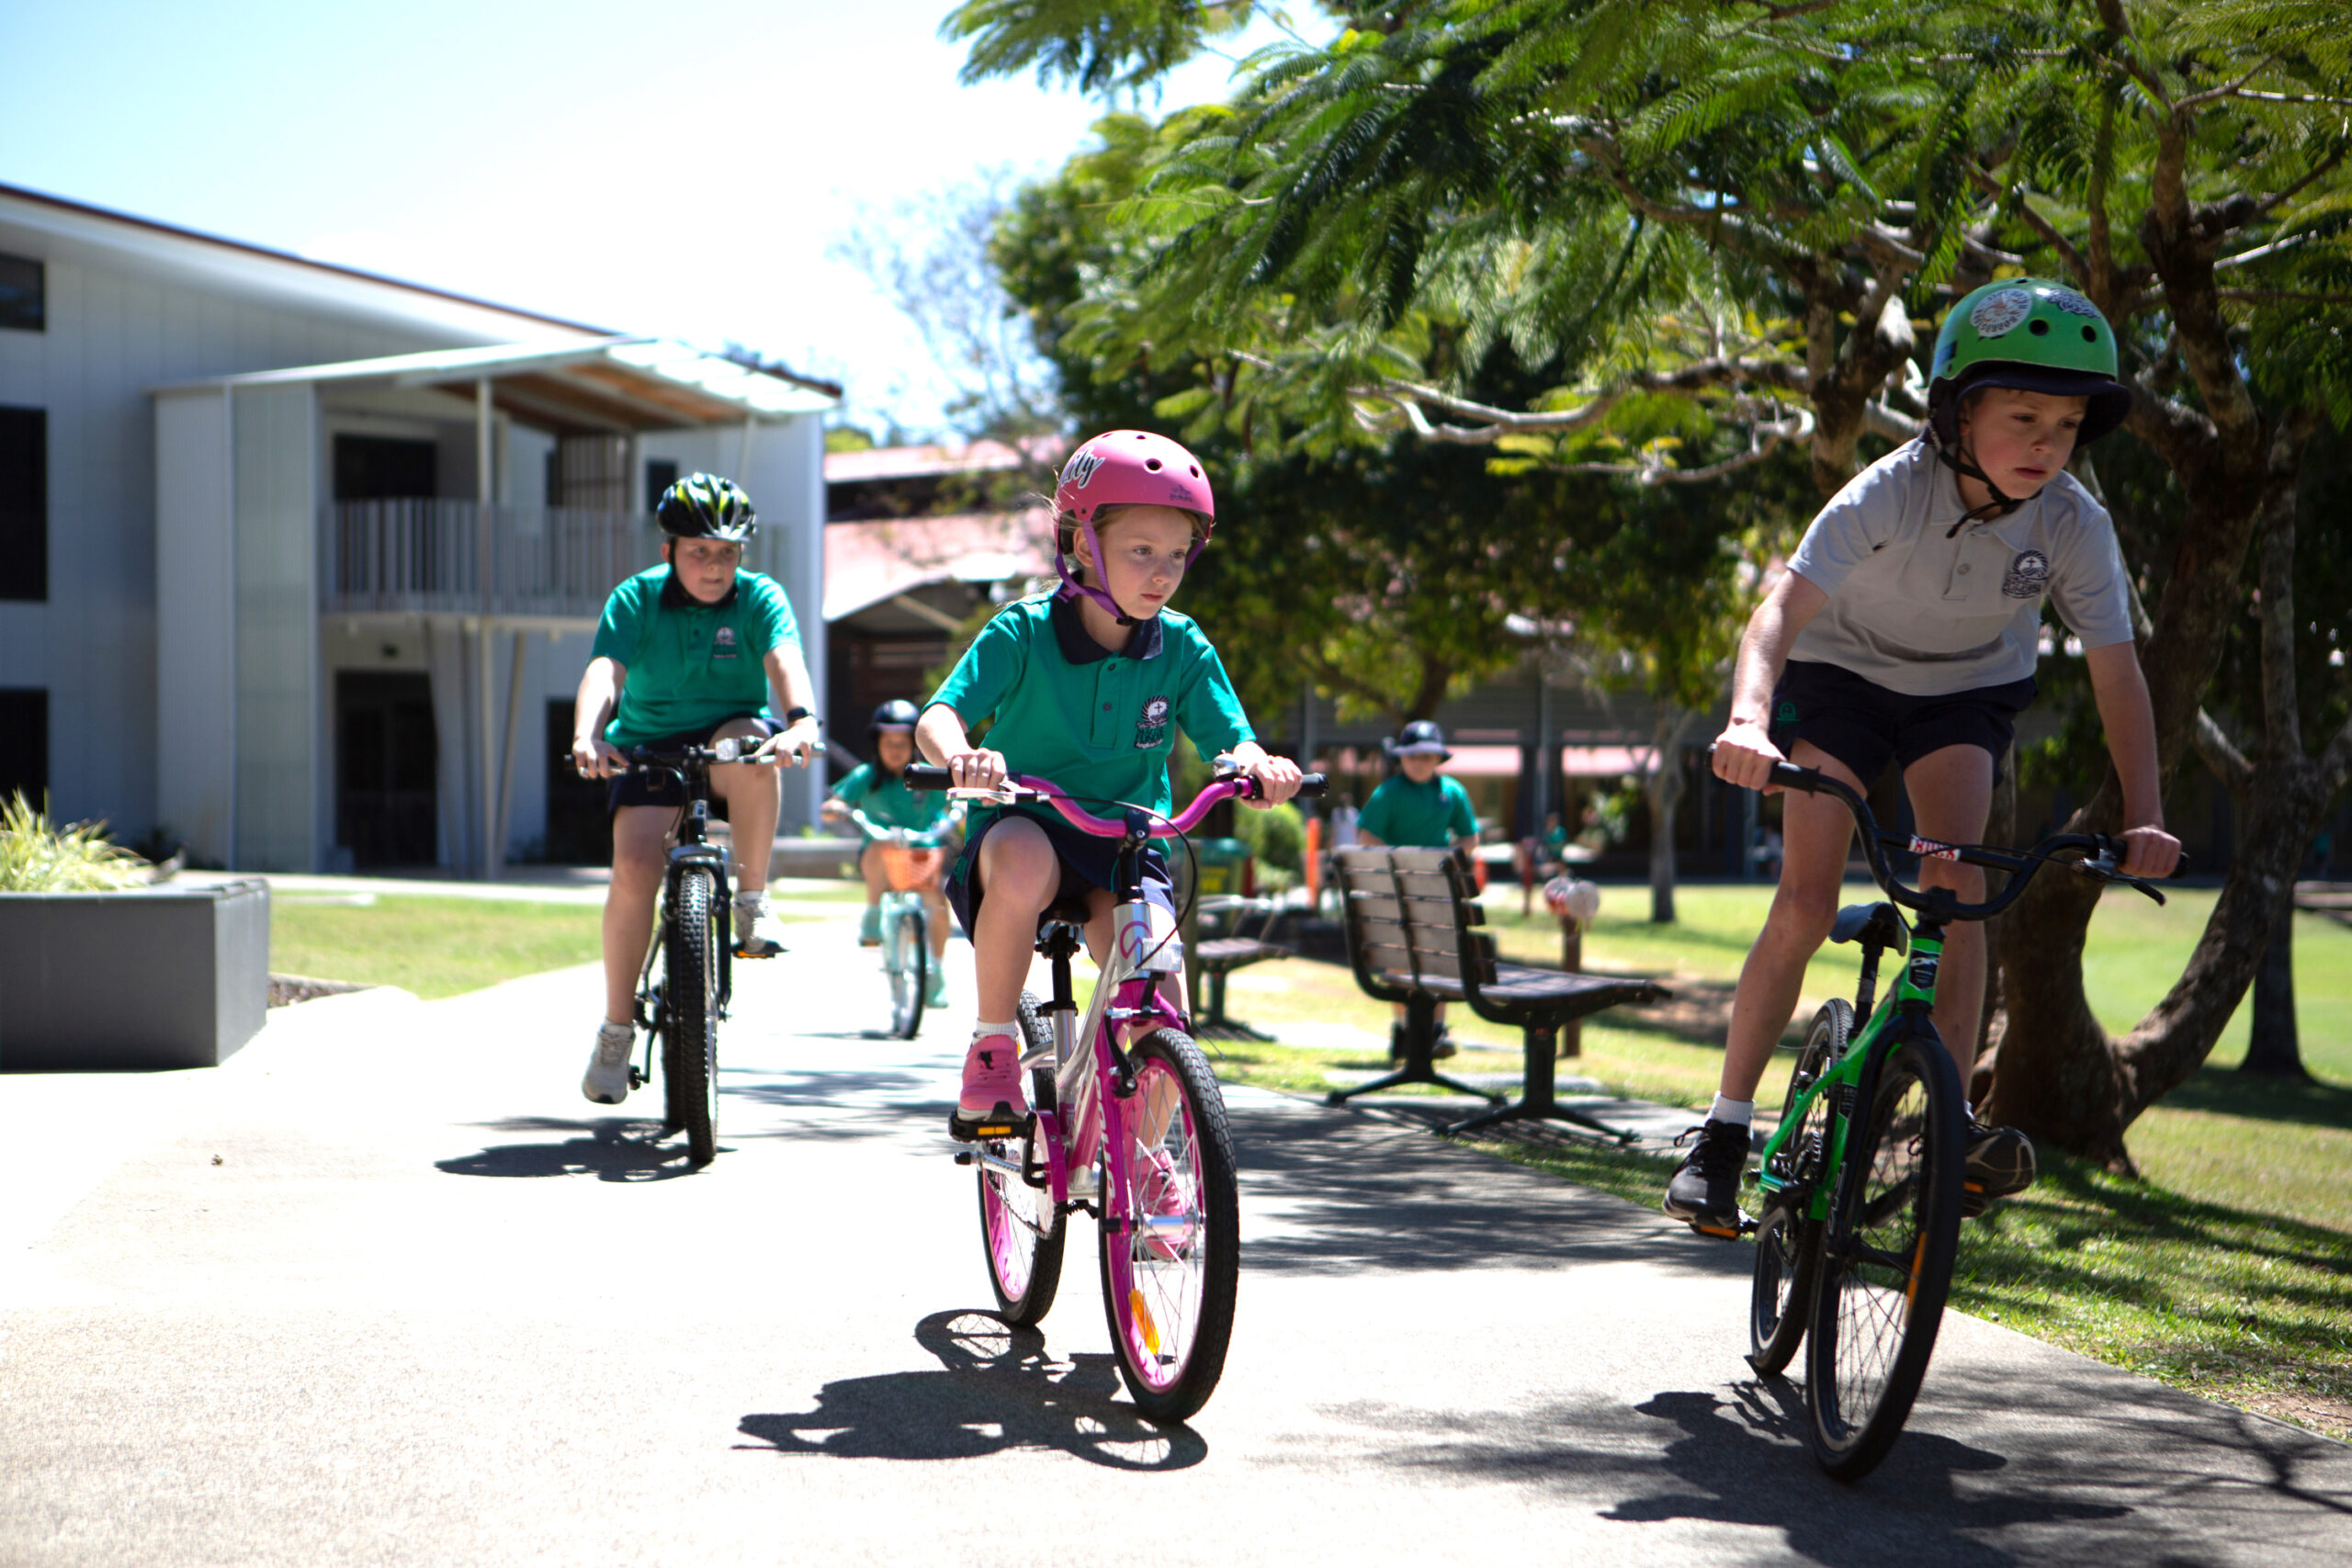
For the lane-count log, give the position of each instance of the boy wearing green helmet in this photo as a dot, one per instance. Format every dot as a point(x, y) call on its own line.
point(1907, 628)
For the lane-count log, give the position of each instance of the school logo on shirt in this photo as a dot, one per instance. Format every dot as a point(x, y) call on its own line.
point(1151, 724)
point(2028, 576)
point(723, 643)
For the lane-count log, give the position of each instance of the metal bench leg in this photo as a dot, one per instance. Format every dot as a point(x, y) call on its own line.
point(1537, 1102)
point(1420, 1035)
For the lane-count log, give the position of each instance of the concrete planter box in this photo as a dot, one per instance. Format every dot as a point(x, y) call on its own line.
point(154, 977)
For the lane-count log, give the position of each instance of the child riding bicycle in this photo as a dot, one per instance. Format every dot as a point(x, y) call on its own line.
point(1087, 687)
point(685, 654)
point(876, 791)
point(1906, 627)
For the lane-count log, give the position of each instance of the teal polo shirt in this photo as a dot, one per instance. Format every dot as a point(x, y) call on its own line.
point(1096, 721)
point(888, 802)
point(691, 666)
point(1418, 817)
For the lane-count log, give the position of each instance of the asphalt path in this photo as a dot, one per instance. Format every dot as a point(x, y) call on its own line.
point(384, 1289)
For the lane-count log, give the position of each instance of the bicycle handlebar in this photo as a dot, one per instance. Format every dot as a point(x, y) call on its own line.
point(731, 749)
point(1226, 787)
point(2107, 855)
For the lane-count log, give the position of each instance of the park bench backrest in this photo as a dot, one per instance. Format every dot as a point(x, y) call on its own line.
point(1405, 917)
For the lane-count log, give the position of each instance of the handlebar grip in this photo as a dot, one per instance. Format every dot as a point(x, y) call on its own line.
point(1312, 785)
point(923, 775)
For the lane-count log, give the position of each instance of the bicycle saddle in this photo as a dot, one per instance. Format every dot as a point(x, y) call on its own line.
point(1873, 925)
point(1065, 912)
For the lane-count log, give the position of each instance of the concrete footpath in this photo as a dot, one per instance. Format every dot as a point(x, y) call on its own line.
point(385, 1289)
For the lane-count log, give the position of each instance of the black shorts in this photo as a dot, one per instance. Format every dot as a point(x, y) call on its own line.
point(636, 787)
point(1087, 862)
point(1862, 724)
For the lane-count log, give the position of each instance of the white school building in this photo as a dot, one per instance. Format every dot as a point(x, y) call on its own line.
point(301, 565)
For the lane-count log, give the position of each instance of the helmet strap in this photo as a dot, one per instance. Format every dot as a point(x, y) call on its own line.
point(1072, 587)
point(1963, 463)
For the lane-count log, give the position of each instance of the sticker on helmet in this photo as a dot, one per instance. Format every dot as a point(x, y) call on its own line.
point(1081, 466)
point(2071, 303)
point(2028, 575)
point(1998, 313)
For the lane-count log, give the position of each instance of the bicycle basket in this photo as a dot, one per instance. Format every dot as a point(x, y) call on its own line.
point(910, 870)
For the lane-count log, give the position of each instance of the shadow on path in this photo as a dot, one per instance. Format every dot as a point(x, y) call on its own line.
point(612, 1149)
point(1001, 1390)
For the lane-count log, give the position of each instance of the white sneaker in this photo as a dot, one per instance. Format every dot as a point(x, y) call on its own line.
point(606, 1082)
point(758, 934)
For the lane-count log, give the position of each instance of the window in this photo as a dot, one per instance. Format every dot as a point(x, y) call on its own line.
point(24, 294)
point(24, 744)
point(24, 504)
point(661, 473)
point(381, 467)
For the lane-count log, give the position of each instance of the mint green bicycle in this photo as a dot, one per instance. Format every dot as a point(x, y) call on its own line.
point(1862, 1184)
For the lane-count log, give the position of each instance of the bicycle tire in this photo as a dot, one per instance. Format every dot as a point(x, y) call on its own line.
point(1886, 1258)
point(1788, 1239)
point(906, 947)
point(1171, 1323)
point(1022, 1234)
point(689, 986)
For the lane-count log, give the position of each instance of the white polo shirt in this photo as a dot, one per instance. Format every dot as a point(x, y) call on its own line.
point(1918, 612)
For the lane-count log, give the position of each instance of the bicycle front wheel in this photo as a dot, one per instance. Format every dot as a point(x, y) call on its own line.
point(907, 952)
point(1171, 1258)
point(1886, 1258)
point(1020, 1231)
point(690, 1010)
point(1788, 1239)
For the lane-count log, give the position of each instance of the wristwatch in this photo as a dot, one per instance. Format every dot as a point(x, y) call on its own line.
point(793, 715)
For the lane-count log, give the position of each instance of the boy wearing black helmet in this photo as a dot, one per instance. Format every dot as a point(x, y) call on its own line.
point(878, 790)
point(1907, 629)
point(686, 653)
point(1419, 808)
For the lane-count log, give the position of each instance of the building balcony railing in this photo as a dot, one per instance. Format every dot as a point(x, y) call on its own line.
point(432, 557)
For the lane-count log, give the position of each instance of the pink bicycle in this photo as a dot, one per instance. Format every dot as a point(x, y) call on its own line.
point(1133, 1134)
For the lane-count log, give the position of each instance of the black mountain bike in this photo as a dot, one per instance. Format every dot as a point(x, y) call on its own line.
point(693, 952)
point(1861, 1185)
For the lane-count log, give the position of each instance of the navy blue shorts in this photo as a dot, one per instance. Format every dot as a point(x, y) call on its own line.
point(659, 788)
point(1087, 862)
point(1863, 725)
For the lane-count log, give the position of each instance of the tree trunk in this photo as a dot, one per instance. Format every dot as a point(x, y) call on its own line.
point(1664, 792)
point(2274, 1047)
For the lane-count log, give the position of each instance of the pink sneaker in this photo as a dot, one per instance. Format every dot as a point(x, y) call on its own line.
point(991, 1083)
point(1163, 1192)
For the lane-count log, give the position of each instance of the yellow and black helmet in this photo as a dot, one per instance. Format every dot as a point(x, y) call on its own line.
point(704, 506)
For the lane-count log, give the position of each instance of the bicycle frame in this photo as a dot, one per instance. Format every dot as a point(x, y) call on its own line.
point(691, 768)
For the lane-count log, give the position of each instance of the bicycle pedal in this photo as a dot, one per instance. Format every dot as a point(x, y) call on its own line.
point(1747, 1226)
point(637, 1079)
point(998, 1124)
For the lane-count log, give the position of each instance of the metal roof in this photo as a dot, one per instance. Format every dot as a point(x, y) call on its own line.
point(618, 384)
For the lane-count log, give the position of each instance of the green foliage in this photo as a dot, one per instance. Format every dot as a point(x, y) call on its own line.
point(1099, 46)
point(39, 856)
point(1277, 835)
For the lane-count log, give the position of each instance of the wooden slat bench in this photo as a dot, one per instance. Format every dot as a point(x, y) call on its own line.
point(1413, 924)
point(1211, 959)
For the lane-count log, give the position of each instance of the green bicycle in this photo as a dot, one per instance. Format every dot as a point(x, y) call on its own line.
point(1862, 1187)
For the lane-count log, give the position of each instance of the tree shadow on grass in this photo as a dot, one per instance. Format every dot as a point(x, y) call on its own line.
point(611, 1148)
point(2259, 1096)
point(1000, 1388)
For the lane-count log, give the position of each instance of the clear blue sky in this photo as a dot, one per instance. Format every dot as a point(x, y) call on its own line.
point(676, 167)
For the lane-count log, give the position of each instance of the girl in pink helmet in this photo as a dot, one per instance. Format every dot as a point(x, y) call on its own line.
point(1087, 687)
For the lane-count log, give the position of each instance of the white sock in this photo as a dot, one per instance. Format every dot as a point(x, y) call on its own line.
point(982, 1030)
point(1739, 1113)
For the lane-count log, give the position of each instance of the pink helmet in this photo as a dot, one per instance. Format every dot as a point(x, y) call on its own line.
point(1132, 468)
point(1127, 468)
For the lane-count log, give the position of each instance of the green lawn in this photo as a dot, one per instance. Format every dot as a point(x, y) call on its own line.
point(435, 947)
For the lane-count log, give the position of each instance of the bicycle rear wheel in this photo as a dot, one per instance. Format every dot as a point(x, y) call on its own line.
point(1170, 1263)
point(1788, 1240)
point(1886, 1258)
point(690, 1010)
point(907, 952)
point(1021, 1231)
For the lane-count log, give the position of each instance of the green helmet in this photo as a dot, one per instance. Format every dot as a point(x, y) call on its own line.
point(2034, 335)
point(704, 506)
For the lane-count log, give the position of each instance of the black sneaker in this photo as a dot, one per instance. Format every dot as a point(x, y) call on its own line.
point(1999, 1163)
point(1704, 1193)
point(1442, 1046)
